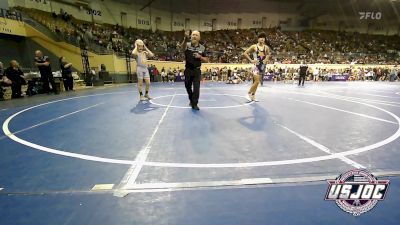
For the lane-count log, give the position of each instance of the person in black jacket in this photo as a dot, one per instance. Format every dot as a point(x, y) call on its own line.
point(16, 76)
point(66, 72)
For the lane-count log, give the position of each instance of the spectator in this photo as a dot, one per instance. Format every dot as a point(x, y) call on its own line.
point(394, 73)
point(226, 46)
point(4, 81)
point(164, 75)
point(1, 69)
point(66, 72)
point(16, 76)
point(171, 75)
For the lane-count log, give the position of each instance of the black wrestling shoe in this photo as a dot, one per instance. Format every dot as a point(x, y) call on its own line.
point(195, 107)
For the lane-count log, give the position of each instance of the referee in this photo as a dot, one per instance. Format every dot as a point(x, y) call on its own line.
point(194, 55)
point(43, 64)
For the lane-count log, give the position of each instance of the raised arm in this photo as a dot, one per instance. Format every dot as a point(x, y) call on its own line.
point(135, 51)
point(185, 39)
point(203, 58)
point(149, 53)
point(47, 63)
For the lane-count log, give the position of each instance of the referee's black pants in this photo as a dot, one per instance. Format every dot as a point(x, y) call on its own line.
point(302, 78)
point(192, 78)
point(46, 79)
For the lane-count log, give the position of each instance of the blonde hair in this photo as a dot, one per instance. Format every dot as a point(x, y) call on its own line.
point(139, 42)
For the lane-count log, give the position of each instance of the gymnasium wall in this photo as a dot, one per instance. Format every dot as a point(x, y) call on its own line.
point(12, 27)
point(14, 47)
point(353, 23)
point(22, 49)
point(72, 54)
point(109, 11)
point(4, 4)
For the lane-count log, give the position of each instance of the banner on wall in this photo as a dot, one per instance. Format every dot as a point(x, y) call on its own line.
point(268, 77)
point(178, 24)
point(340, 77)
point(143, 22)
point(94, 9)
point(12, 27)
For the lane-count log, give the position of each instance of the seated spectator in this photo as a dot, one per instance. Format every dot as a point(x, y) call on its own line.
point(4, 82)
point(16, 76)
point(171, 75)
point(235, 79)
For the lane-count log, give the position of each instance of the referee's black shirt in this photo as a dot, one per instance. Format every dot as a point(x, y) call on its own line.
point(44, 70)
point(191, 61)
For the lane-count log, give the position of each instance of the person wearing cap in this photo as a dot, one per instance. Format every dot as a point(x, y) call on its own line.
point(261, 52)
point(141, 53)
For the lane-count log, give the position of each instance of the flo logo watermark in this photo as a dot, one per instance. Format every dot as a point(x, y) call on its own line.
point(370, 15)
point(356, 191)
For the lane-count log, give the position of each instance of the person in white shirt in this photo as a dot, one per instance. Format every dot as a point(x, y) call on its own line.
point(315, 74)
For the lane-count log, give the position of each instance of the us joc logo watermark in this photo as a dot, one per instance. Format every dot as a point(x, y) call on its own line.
point(356, 191)
point(370, 15)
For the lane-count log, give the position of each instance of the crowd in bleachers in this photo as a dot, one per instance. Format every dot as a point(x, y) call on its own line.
point(227, 46)
point(280, 72)
point(11, 14)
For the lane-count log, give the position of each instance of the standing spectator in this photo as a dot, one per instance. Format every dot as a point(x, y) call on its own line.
point(150, 69)
point(181, 75)
point(16, 76)
point(315, 74)
point(302, 73)
point(164, 75)
point(214, 75)
point(394, 73)
point(66, 72)
point(176, 74)
point(171, 75)
point(155, 73)
point(43, 64)
point(1, 69)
